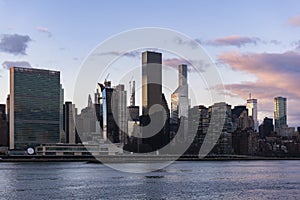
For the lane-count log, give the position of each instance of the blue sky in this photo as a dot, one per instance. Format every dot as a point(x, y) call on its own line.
point(243, 37)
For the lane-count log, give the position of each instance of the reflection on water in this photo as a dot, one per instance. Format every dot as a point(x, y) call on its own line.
point(181, 180)
point(154, 176)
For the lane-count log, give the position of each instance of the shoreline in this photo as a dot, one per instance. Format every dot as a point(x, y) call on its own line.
point(133, 159)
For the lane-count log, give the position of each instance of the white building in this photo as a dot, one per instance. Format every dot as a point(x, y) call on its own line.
point(252, 111)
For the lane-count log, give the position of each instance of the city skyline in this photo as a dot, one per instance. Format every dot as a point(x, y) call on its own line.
point(149, 99)
point(250, 57)
point(34, 113)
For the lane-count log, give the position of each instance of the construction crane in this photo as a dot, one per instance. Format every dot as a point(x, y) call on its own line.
point(130, 84)
point(106, 77)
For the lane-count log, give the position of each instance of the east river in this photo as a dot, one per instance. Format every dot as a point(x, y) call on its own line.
point(180, 180)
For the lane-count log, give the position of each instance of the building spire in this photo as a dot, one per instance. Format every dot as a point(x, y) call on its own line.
point(90, 103)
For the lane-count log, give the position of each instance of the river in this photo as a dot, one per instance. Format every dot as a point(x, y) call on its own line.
point(180, 180)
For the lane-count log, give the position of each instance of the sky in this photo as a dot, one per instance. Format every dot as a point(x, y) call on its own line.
point(255, 44)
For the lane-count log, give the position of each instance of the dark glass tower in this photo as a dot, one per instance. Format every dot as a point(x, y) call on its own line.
point(3, 127)
point(153, 120)
point(151, 80)
point(280, 112)
point(34, 107)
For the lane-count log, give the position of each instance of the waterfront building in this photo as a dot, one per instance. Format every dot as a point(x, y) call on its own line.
point(198, 122)
point(245, 142)
point(69, 123)
point(79, 149)
point(217, 113)
point(34, 113)
point(3, 127)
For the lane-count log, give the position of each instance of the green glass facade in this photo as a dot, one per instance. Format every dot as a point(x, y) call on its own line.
point(34, 107)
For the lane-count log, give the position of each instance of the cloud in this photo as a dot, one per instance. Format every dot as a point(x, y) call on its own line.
point(14, 44)
point(174, 62)
point(233, 40)
point(264, 63)
point(132, 54)
point(191, 43)
point(275, 42)
point(44, 30)
point(277, 75)
point(9, 64)
point(296, 44)
point(294, 21)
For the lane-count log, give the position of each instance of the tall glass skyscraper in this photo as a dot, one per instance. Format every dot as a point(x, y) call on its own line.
point(180, 103)
point(280, 112)
point(34, 107)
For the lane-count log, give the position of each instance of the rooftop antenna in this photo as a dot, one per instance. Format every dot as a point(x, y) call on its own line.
point(250, 95)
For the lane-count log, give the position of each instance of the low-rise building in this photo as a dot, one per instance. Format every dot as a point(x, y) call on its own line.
point(79, 149)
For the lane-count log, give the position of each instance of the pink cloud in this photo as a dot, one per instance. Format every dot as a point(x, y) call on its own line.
point(277, 75)
point(294, 21)
point(173, 62)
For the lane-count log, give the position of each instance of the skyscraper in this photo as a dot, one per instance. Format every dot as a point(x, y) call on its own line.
point(266, 128)
point(198, 122)
point(252, 111)
point(216, 115)
point(133, 116)
point(61, 117)
point(3, 127)
point(241, 119)
point(120, 111)
point(69, 113)
point(180, 103)
point(34, 107)
point(151, 80)
point(110, 128)
point(280, 112)
point(153, 118)
point(133, 110)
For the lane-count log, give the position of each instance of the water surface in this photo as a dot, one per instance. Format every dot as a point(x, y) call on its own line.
point(181, 180)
